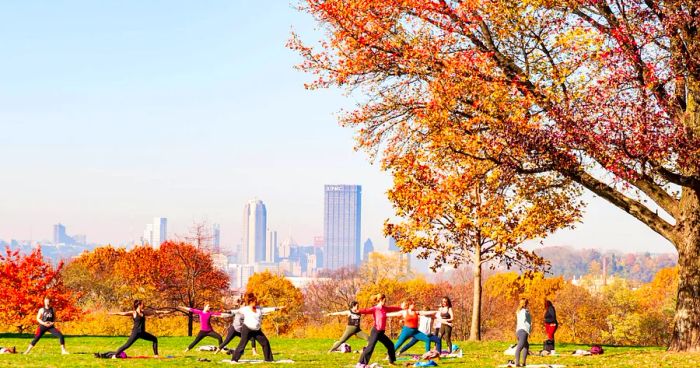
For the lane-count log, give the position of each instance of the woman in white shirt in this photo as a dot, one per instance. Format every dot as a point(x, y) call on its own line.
point(252, 322)
point(522, 331)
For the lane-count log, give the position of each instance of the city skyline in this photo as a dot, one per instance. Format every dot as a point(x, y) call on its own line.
point(176, 112)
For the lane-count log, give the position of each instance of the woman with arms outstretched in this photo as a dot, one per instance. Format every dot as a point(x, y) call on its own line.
point(251, 329)
point(205, 328)
point(379, 311)
point(353, 327)
point(138, 331)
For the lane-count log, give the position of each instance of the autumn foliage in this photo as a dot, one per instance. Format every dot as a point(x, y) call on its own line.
point(26, 280)
point(274, 290)
point(601, 95)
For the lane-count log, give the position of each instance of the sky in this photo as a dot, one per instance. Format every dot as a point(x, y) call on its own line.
point(115, 112)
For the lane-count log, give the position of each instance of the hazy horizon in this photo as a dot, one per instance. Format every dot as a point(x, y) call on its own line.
point(115, 113)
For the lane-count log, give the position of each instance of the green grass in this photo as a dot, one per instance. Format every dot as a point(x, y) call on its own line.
point(311, 353)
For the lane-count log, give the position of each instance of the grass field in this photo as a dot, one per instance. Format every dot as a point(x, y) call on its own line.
point(310, 353)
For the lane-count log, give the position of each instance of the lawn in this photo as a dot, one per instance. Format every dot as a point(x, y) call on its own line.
point(310, 353)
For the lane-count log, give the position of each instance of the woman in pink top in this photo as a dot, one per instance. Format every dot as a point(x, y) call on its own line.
point(205, 326)
point(379, 312)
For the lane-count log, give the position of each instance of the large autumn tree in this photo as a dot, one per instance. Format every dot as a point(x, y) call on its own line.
point(458, 210)
point(26, 280)
point(604, 93)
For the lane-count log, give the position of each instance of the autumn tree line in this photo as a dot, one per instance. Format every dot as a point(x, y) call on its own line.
point(106, 279)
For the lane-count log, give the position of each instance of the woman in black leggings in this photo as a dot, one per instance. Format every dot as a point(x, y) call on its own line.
point(47, 319)
point(139, 329)
point(445, 317)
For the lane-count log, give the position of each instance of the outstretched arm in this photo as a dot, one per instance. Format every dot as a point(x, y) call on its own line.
point(125, 314)
point(395, 314)
point(427, 313)
point(341, 313)
point(267, 310)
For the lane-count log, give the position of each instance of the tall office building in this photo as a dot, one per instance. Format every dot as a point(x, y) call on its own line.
point(160, 231)
point(147, 238)
point(342, 226)
point(60, 236)
point(216, 238)
point(367, 248)
point(254, 226)
point(271, 247)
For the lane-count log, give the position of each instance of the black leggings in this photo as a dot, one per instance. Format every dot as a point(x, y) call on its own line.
point(203, 334)
point(139, 335)
point(374, 337)
point(248, 334)
point(41, 330)
point(230, 335)
point(446, 336)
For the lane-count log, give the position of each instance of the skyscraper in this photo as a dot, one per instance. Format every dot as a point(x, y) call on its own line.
point(367, 249)
point(160, 231)
point(60, 236)
point(254, 226)
point(147, 237)
point(271, 247)
point(342, 226)
point(216, 238)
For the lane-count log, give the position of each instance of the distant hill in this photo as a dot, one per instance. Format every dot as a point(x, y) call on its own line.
point(570, 262)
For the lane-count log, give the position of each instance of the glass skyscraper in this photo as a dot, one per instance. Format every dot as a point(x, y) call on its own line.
point(342, 226)
point(254, 227)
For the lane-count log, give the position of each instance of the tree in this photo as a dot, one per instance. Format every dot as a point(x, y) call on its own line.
point(464, 212)
point(26, 280)
point(605, 94)
point(187, 276)
point(275, 290)
point(93, 275)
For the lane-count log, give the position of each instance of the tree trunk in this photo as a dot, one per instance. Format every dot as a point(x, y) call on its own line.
point(190, 320)
point(475, 330)
point(686, 323)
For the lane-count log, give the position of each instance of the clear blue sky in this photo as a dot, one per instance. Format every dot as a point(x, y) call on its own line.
point(113, 112)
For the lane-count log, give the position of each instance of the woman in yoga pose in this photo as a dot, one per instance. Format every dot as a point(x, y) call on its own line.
point(47, 320)
point(235, 329)
point(205, 328)
point(410, 325)
point(379, 311)
point(353, 327)
point(138, 331)
point(251, 329)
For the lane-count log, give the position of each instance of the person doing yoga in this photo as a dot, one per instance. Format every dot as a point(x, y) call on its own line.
point(138, 331)
point(47, 323)
point(353, 327)
point(251, 329)
point(410, 325)
point(205, 328)
point(425, 323)
point(379, 311)
point(235, 329)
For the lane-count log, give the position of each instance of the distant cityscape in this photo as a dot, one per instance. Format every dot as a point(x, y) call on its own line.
point(259, 248)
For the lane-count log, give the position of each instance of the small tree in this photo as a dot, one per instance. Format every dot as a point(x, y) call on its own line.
point(458, 211)
point(26, 280)
point(275, 290)
point(188, 277)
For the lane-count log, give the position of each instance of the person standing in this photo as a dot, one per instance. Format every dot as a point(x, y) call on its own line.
point(445, 316)
point(425, 323)
point(550, 324)
point(47, 323)
point(379, 311)
point(205, 328)
point(138, 331)
point(522, 332)
point(353, 327)
point(251, 329)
